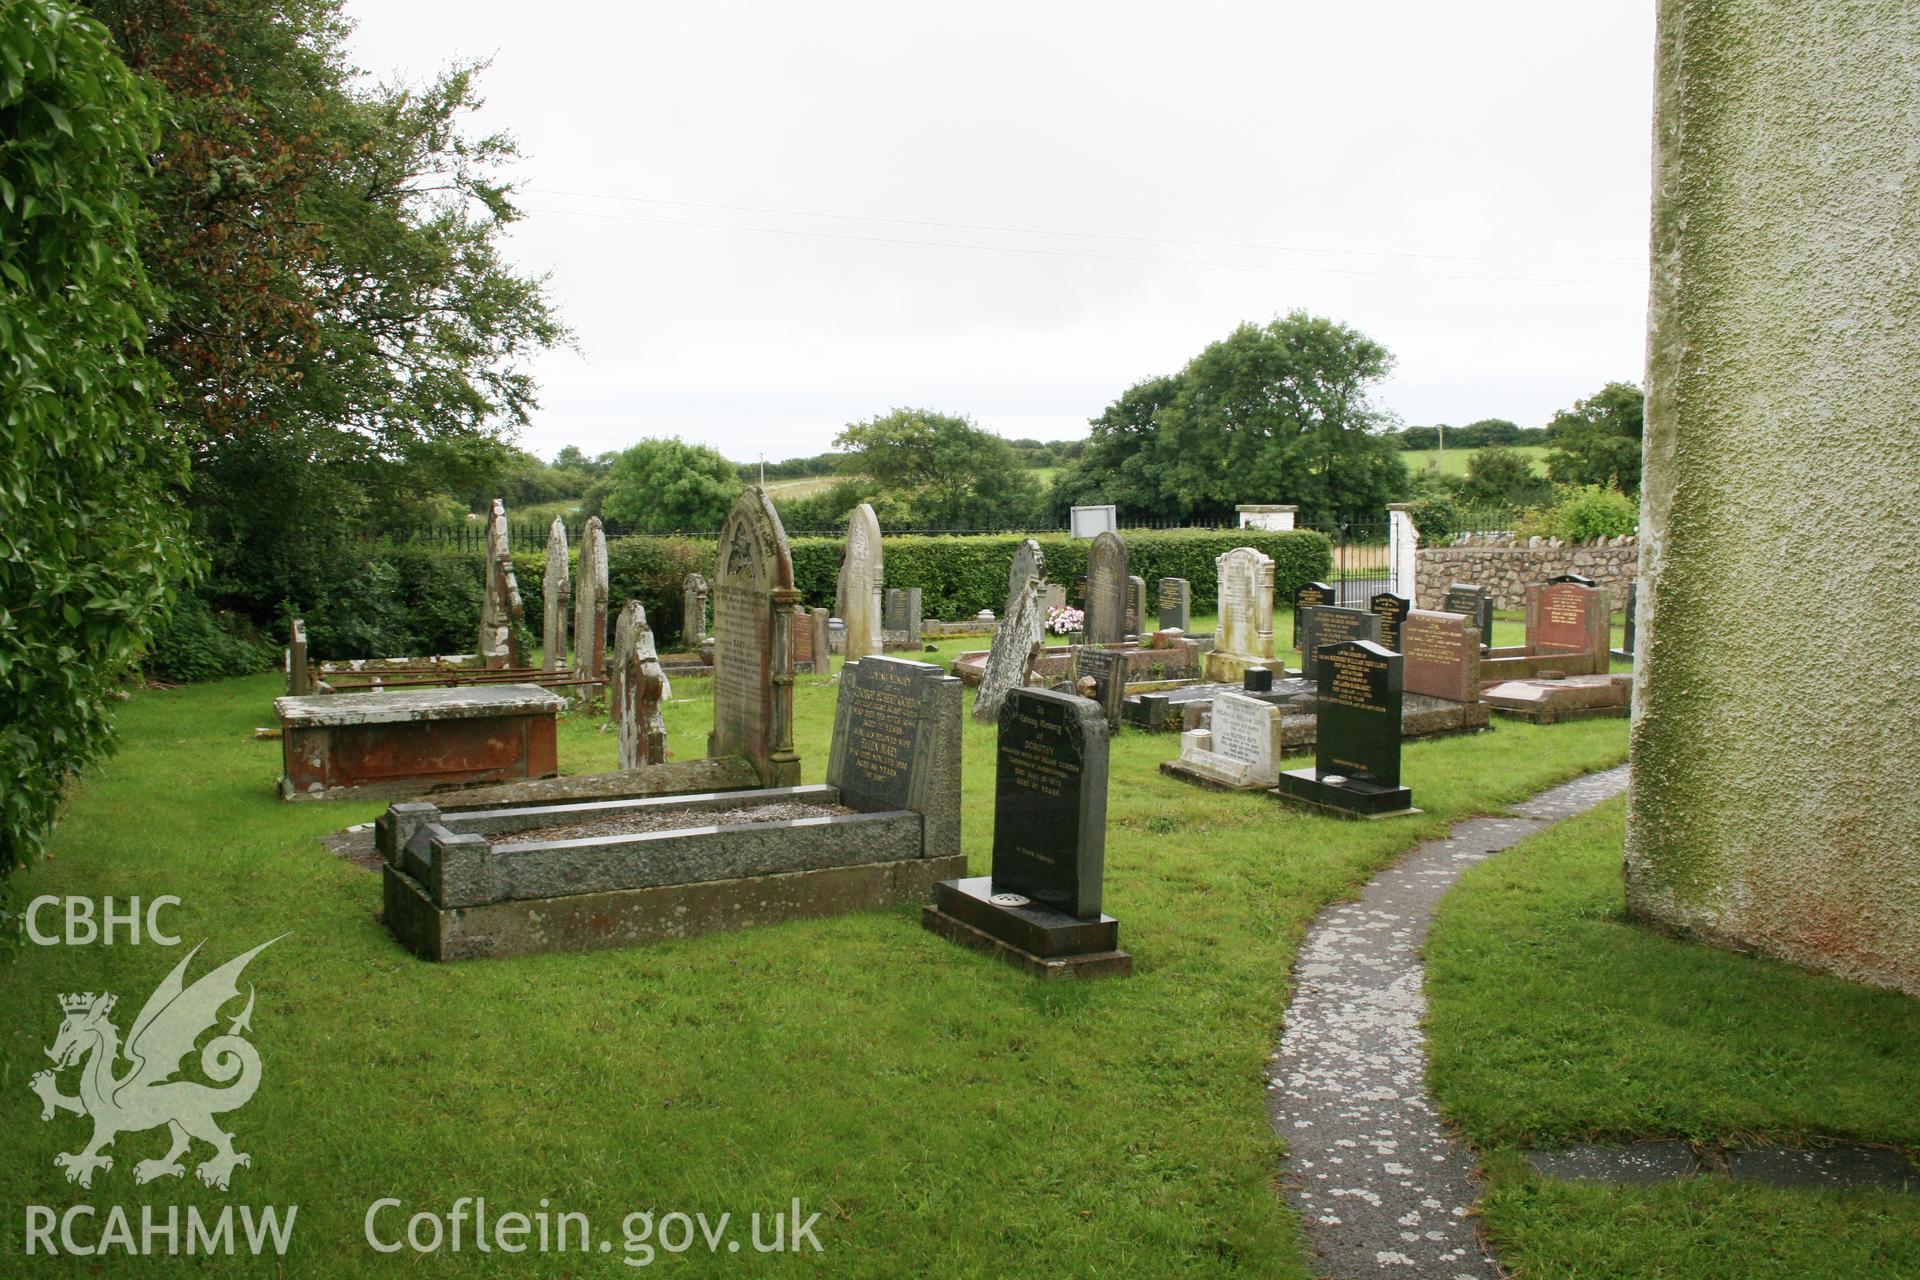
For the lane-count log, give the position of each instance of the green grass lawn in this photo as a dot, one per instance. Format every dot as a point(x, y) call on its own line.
point(1554, 1020)
point(1455, 460)
point(938, 1108)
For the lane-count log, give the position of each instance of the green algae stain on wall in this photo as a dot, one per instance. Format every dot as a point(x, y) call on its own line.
point(1776, 740)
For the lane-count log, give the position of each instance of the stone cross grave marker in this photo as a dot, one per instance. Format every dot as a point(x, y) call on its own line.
point(1050, 801)
point(555, 593)
point(1176, 604)
point(753, 599)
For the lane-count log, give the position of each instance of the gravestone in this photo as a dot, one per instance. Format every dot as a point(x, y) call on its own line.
point(861, 577)
point(500, 605)
point(1314, 595)
point(1239, 750)
point(1356, 770)
point(693, 610)
point(1019, 634)
point(1106, 589)
point(803, 646)
point(1245, 634)
point(1567, 617)
point(753, 599)
point(896, 745)
point(1625, 651)
point(1137, 614)
point(299, 675)
point(1473, 602)
point(638, 687)
point(1029, 561)
point(1108, 671)
point(903, 613)
point(817, 628)
point(555, 593)
point(590, 609)
point(1442, 652)
point(1330, 624)
point(1392, 610)
point(1040, 909)
point(1176, 604)
point(1054, 596)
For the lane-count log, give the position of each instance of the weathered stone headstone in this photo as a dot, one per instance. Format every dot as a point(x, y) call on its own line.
point(903, 613)
point(803, 650)
point(299, 674)
point(1054, 596)
point(1442, 652)
point(500, 605)
point(1476, 603)
point(1331, 625)
point(753, 599)
point(1245, 635)
point(1106, 589)
point(896, 744)
point(1050, 801)
point(1567, 617)
point(555, 593)
point(1137, 615)
point(817, 620)
point(861, 579)
point(1357, 746)
point(1029, 561)
point(638, 686)
point(693, 610)
point(590, 608)
point(1176, 604)
point(1392, 610)
point(1241, 748)
point(1108, 671)
point(1314, 595)
point(1019, 634)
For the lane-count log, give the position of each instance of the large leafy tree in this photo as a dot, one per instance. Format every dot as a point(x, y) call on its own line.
point(939, 470)
point(1271, 413)
point(342, 332)
point(668, 486)
point(1597, 441)
point(89, 542)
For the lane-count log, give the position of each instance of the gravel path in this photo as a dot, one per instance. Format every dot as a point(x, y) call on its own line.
point(1382, 1186)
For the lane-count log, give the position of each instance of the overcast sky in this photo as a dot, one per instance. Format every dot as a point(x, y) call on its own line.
point(765, 221)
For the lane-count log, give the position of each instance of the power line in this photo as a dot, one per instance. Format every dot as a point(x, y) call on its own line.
point(1069, 253)
point(1094, 235)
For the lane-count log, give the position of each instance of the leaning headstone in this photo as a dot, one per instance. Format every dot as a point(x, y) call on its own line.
point(1029, 561)
point(1107, 668)
point(896, 745)
point(1176, 604)
point(638, 686)
point(1106, 589)
point(693, 610)
point(1476, 603)
point(1392, 610)
point(861, 578)
point(1332, 625)
point(1137, 614)
point(590, 608)
point(1356, 770)
point(1015, 640)
point(1241, 748)
point(753, 599)
point(1314, 595)
point(1442, 652)
point(1040, 909)
point(1245, 634)
point(500, 606)
point(555, 593)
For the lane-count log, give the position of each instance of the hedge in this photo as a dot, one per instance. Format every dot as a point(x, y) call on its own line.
point(414, 600)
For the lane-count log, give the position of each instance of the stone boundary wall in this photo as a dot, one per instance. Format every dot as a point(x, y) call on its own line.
point(1507, 571)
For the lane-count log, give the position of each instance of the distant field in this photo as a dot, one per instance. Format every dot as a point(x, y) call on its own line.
point(1456, 459)
point(801, 487)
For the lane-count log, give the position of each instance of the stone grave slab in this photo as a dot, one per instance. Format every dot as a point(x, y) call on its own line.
point(410, 741)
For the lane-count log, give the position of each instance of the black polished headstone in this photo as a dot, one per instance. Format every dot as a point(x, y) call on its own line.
point(1176, 604)
point(1257, 680)
point(1360, 700)
point(1050, 801)
point(1108, 670)
point(879, 731)
point(1314, 595)
point(1330, 625)
point(1475, 604)
point(1392, 610)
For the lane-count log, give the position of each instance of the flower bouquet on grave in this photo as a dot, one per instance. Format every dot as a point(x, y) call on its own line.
point(1065, 620)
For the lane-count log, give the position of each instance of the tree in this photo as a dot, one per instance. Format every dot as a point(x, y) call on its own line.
point(946, 471)
point(669, 486)
point(89, 543)
point(1597, 441)
point(1271, 413)
point(1501, 477)
point(339, 325)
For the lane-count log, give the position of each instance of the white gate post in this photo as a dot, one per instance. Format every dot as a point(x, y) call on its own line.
point(1403, 547)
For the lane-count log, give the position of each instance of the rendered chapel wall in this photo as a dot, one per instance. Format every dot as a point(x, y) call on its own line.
point(1775, 733)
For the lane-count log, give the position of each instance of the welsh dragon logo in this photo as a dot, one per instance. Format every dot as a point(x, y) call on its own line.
point(146, 1096)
